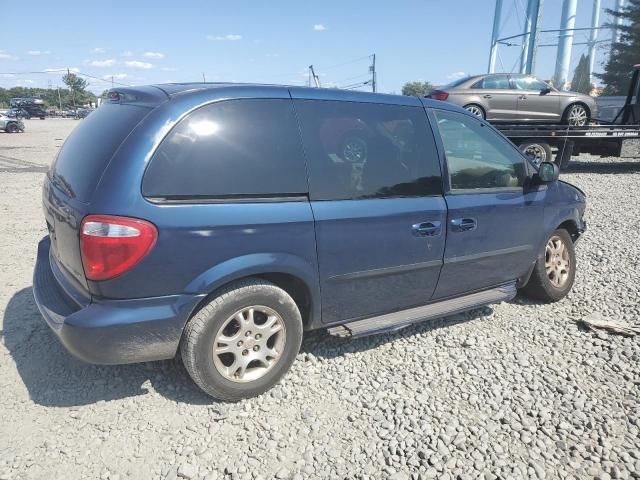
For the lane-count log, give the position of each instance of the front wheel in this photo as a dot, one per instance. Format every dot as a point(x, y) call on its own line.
point(11, 128)
point(555, 269)
point(577, 115)
point(242, 343)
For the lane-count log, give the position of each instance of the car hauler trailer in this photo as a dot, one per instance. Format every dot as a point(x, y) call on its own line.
point(619, 138)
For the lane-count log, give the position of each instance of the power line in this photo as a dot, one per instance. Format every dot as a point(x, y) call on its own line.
point(61, 70)
point(359, 59)
point(352, 78)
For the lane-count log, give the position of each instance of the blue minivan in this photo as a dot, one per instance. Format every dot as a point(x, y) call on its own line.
point(223, 220)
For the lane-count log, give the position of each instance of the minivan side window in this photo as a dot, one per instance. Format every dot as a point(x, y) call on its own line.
point(233, 148)
point(477, 157)
point(367, 150)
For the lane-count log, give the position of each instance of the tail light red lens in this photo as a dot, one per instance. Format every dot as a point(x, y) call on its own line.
point(439, 95)
point(112, 245)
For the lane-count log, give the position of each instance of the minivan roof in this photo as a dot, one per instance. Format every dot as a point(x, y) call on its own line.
point(155, 94)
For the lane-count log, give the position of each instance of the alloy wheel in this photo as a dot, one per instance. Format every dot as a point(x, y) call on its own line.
point(477, 111)
point(249, 344)
point(578, 116)
point(557, 262)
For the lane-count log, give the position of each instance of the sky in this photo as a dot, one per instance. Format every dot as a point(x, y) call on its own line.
point(143, 42)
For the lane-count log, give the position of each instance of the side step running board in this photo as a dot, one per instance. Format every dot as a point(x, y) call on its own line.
point(404, 318)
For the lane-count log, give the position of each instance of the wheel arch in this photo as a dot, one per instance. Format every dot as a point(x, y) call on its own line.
point(571, 226)
point(292, 274)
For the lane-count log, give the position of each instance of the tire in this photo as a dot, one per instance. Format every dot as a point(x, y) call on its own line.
point(11, 128)
point(218, 375)
point(538, 152)
point(541, 285)
point(354, 148)
point(576, 115)
point(477, 110)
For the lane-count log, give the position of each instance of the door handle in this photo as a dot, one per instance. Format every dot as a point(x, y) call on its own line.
point(427, 229)
point(487, 96)
point(463, 224)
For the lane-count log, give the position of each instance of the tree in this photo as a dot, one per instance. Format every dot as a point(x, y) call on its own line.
point(416, 89)
point(624, 53)
point(581, 81)
point(77, 85)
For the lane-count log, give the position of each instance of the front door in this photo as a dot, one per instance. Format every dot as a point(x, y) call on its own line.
point(534, 102)
point(500, 101)
point(376, 196)
point(494, 225)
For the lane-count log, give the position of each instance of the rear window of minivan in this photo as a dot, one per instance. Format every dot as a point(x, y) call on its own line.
point(87, 151)
point(247, 148)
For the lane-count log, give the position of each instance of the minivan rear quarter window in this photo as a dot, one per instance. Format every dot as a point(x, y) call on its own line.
point(367, 150)
point(234, 148)
point(86, 153)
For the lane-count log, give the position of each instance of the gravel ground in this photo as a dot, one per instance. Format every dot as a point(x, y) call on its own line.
point(516, 390)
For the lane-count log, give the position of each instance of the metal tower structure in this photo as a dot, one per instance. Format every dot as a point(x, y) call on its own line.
point(565, 43)
point(530, 39)
point(615, 32)
point(565, 35)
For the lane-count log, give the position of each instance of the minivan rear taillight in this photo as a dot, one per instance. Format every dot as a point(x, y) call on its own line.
point(111, 245)
point(439, 95)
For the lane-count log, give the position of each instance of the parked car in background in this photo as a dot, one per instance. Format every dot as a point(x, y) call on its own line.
point(83, 112)
point(29, 107)
point(511, 98)
point(10, 123)
point(221, 221)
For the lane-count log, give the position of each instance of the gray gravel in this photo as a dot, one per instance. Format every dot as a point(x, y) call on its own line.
point(517, 390)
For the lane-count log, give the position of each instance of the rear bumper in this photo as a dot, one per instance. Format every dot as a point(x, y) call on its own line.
point(110, 331)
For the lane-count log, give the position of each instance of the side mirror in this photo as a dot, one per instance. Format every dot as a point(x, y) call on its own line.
point(545, 91)
point(548, 172)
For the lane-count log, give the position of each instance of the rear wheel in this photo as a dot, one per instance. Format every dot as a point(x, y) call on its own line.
point(242, 343)
point(477, 110)
point(537, 152)
point(555, 269)
point(577, 115)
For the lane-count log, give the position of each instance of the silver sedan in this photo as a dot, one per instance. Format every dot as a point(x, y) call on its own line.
point(511, 98)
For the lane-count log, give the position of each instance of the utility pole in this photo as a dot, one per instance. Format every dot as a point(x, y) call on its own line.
point(111, 81)
point(204, 79)
point(493, 53)
point(372, 69)
point(59, 99)
point(312, 74)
